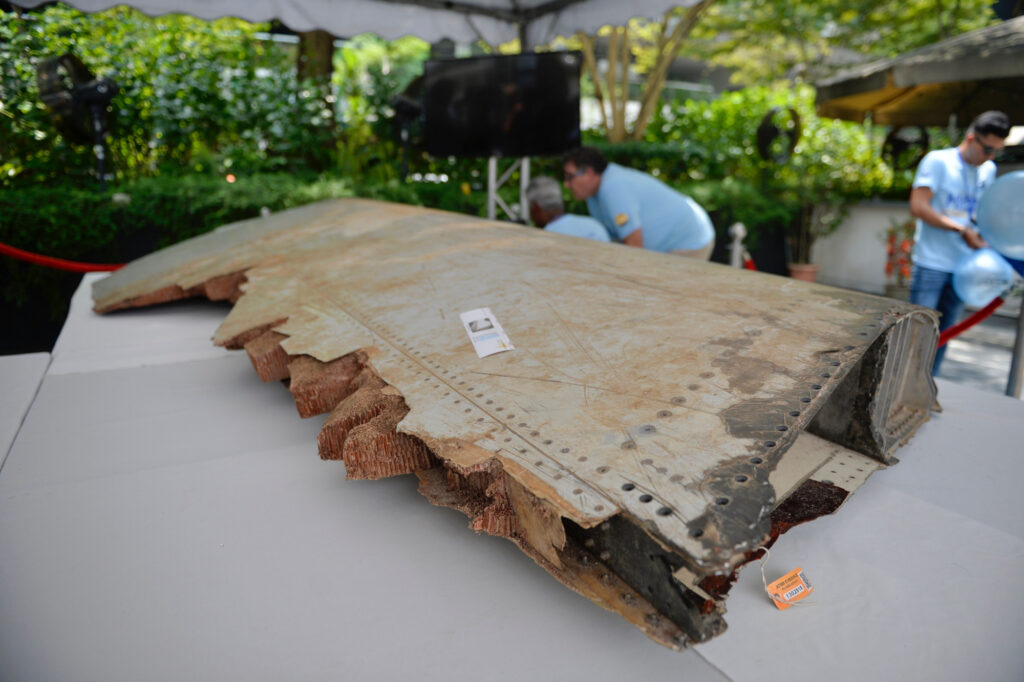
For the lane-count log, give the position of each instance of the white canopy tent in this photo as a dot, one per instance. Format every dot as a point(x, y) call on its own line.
point(495, 21)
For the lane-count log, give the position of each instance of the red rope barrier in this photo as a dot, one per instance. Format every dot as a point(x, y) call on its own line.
point(58, 263)
point(969, 322)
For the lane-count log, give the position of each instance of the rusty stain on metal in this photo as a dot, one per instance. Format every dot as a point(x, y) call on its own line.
point(649, 398)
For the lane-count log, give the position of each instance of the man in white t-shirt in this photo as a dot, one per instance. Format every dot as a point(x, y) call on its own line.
point(547, 210)
point(944, 199)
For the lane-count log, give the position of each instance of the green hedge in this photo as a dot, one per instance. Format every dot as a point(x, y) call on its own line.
point(127, 222)
point(76, 223)
point(130, 220)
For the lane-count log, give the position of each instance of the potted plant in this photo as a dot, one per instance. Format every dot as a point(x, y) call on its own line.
point(899, 240)
point(815, 219)
point(833, 166)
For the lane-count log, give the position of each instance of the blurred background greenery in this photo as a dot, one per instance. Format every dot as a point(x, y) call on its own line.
point(213, 123)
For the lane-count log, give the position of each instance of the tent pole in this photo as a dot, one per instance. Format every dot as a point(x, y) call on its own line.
point(492, 186)
point(524, 163)
point(524, 182)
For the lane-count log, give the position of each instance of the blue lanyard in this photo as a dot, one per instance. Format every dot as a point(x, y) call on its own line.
point(972, 198)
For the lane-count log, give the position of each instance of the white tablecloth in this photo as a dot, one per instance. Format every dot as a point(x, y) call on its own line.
point(164, 516)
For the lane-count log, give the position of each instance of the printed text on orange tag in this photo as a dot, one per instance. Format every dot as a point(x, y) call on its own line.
point(789, 589)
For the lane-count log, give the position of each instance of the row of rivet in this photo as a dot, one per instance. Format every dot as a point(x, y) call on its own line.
point(647, 428)
point(539, 464)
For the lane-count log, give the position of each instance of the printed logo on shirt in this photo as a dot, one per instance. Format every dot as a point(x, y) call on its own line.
point(961, 204)
point(621, 219)
point(960, 207)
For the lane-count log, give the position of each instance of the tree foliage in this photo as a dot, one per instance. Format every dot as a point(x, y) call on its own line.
point(808, 39)
point(799, 40)
point(200, 97)
point(661, 41)
point(193, 94)
point(369, 73)
point(834, 162)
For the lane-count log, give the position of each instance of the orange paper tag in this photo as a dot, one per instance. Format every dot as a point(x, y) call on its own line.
point(789, 589)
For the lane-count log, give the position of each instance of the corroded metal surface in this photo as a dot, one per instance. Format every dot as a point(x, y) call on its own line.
point(644, 389)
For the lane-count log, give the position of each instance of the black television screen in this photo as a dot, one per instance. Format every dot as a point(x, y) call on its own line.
point(508, 105)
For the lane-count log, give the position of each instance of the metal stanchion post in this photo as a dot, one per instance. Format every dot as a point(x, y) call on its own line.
point(737, 231)
point(1017, 362)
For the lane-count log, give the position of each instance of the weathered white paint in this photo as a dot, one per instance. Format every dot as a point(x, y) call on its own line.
point(641, 382)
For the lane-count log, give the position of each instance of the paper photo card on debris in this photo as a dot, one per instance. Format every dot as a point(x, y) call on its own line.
point(485, 332)
point(789, 589)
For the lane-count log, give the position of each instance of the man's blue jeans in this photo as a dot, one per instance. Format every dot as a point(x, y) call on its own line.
point(934, 289)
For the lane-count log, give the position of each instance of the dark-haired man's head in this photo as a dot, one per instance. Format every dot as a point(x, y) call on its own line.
point(992, 123)
point(985, 137)
point(586, 157)
point(583, 167)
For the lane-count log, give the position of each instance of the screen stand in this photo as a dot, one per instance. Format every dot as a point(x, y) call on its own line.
point(494, 183)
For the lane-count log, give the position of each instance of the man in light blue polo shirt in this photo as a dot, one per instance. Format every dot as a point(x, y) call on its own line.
point(944, 199)
point(547, 210)
point(637, 209)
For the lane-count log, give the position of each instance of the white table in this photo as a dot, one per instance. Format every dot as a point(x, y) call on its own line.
point(20, 376)
point(164, 516)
